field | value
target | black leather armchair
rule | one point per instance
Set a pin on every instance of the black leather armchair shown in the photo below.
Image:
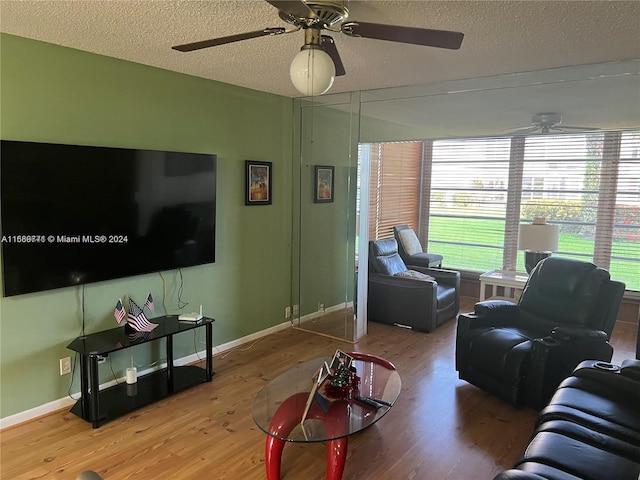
(521, 352)
(399, 296)
(411, 250)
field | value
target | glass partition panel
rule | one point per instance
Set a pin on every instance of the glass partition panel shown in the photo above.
(470, 213)
(338, 131)
(326, 219)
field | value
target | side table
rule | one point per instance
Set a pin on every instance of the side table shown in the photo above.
(97, 406)
(510, 282)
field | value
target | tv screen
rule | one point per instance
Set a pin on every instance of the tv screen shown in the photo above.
(74, 214)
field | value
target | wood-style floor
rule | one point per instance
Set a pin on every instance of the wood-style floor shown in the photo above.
(440, 427)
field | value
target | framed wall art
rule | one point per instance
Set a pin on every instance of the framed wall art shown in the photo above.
(257, 183)
(323, 184)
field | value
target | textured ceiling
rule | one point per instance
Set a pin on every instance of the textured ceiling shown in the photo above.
(503, 40)
(500, 37)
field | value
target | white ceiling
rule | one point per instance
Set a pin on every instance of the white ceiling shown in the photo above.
(501, 37)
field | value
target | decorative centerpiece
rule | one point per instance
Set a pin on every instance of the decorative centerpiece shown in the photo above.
(335, 381)
(342, 381)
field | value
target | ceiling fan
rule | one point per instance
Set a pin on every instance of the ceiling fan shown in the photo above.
(549, 122)
(315, 67)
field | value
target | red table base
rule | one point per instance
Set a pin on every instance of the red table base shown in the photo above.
(336, 423)
(287, 417)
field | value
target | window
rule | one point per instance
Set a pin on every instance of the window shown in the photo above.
(625, 247)
(469, 180)
(476, 192)
(394, 191)
(568, 196)
(531, 187)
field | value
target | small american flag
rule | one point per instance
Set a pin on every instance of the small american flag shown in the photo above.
(137, 319)
(119, 311)
(149, 303)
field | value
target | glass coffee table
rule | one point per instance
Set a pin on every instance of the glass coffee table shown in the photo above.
(280, 405)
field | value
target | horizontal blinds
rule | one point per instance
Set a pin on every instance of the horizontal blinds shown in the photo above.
(481, 189)
(468, 195)
(394, 187)
(625, 251)
(560, 182)
(588, 184)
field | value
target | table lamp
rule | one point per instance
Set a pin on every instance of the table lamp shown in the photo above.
(537, 240)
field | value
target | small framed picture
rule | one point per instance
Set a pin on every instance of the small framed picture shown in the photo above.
(258, 183)
(323, 184)
(340, 359)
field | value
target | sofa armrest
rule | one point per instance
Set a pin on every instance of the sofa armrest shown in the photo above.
(631, 368)
(496, 308)
(569, 334)
(394, 281)
(556, 356)
(514, 474)
(450, 278)
(468, 321)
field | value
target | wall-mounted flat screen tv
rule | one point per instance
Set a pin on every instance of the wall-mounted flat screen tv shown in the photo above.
(74, 214)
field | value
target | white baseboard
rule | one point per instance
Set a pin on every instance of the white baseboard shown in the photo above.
(67, 402)
(334, 308)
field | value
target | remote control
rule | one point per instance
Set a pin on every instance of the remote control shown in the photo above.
(368, 401)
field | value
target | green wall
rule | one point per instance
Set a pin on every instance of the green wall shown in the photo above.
(55, 94)
(328, 136)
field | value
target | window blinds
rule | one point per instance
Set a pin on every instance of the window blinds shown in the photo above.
(468, 200)
(477, 191)
(394, 191)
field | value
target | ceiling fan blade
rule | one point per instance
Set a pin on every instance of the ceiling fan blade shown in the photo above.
(568, 127)
(294, 8)
(523, 130)
(396, 33)
(329, 46)
(189, 47)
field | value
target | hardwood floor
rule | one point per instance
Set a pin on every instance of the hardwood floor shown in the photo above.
(440, 427)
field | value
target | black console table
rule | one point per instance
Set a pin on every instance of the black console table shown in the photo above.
(98, 406)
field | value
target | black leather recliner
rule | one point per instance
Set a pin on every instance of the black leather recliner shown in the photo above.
(521, 352)
(411, 250)
(402, 296)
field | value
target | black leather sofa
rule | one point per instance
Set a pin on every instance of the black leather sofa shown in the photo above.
(589, 430)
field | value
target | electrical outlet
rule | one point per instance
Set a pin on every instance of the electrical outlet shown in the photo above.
(65, 365)
(287, 312)
(321, 307)
(295, 310)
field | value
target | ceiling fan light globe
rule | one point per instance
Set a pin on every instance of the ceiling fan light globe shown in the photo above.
(312, 71)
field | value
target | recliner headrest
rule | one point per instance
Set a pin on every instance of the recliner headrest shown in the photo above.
(564, 276)
(384, 257)
(384, 247)
(564, 289)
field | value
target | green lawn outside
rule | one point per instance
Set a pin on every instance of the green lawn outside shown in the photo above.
(491, 234)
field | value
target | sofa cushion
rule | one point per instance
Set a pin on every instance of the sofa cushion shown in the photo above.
(410, 241)
(506, 360)
(580, 452)
(424, 259)
(607, 406)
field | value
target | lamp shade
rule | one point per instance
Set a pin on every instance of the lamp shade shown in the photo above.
(538, 237)
(312, 71)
